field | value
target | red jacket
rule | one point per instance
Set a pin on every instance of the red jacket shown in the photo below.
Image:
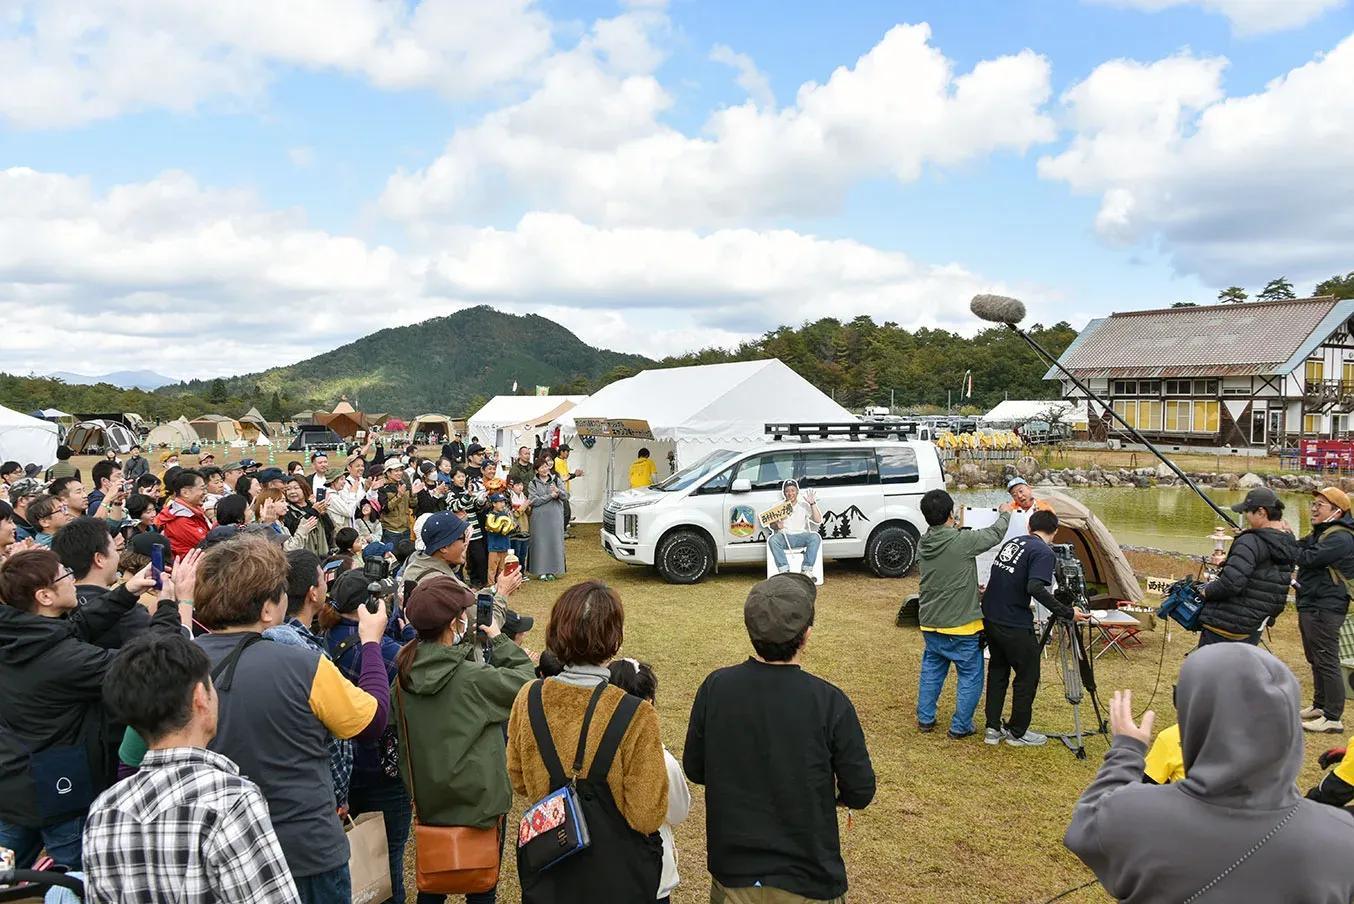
(183, 525)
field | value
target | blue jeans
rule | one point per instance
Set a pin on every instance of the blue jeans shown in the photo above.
(519, 549)
(61, 841)
(807, 540)
(967, 655)
(369, 794)
(333, 887)
(393, 536)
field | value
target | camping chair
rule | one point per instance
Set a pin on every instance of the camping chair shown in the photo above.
(794, 558)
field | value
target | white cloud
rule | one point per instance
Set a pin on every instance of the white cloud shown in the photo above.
(1236, 190)
(196, 281)
(67, 62)
(301, 157)
(1248, 17)
(591, 140)
(750, 78)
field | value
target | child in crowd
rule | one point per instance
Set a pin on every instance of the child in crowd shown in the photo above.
(498, 529)
(638, 678)
(521, 511)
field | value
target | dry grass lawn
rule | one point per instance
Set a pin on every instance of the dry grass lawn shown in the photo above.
(953, 821)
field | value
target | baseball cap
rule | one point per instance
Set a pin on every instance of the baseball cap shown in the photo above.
(377, 550)
(1334, 495)
(268, 474)
(780, 607)
(1263, 497)
(394, 464)
(206, 455)
(167, 455)
(516, 623)
(143, 543)
(1015, 482)
(248, 463)
(219, 534)
(474, 449)
(437, 602)
(232, 466)
(349, 591)
(25, 487)
(498, 497)
(442, 529)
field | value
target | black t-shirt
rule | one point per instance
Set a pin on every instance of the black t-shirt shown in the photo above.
(1006, 602)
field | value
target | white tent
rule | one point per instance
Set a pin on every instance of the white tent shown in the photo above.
(27, 440)
(55, 414)
(692, 411)
(1014, 412)
(174, 434)
(505, 422)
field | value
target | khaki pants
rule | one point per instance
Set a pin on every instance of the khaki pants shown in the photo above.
(496, 563)
(762, 895)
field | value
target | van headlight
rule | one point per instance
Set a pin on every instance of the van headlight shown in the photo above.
(630, 526)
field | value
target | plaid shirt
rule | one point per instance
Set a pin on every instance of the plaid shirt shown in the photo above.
(186, 828)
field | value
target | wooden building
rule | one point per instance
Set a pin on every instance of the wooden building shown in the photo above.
(1262, 374)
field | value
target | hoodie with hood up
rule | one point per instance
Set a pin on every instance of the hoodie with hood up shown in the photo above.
(1253, 583)
(450, 719)
(1242, 745)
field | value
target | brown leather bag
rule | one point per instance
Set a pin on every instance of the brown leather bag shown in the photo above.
(450, 860)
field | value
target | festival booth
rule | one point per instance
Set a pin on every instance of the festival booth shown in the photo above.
(436, 428)
(216, 428)
(691, 412)
(93, 437)
(27, 440)
(506, 422)
(173, 435)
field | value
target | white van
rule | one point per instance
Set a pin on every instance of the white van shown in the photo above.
(869, 493)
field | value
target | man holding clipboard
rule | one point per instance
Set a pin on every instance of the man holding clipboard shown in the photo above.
(797, 529)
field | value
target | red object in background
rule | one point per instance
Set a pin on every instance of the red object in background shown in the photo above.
(1326, 455)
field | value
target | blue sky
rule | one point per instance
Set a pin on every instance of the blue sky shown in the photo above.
(225, 191)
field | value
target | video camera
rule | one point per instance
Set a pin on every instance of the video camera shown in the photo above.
(380, 585)
(1070, 576)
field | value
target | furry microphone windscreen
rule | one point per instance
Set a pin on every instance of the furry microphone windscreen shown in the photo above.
(998, 308)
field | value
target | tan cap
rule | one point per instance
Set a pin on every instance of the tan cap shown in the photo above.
(1335, 496)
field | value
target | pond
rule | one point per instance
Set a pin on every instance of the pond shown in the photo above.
(1169, 518)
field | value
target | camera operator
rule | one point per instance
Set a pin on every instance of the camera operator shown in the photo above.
(1253, 583)
(1022, 571)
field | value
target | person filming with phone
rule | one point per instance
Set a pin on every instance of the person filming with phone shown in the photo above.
(797, 530)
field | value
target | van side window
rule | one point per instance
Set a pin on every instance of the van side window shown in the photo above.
(768, 470)
(898, 465)
(838, 468)
(716, 485)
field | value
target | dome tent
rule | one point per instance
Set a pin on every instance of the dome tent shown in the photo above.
(91, 437)
(216, 428)
(173, 435)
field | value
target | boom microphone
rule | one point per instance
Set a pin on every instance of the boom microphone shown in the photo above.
(998, 309)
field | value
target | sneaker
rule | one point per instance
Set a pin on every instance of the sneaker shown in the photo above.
(1310, 713)
(1029, 739)
(960, 735)
(1322, 725)
(994, 735)
(926, 727)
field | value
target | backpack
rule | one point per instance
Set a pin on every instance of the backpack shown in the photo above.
(619, 865)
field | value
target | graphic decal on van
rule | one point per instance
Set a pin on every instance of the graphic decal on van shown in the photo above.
(742, 522)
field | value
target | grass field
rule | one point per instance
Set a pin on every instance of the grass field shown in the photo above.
(953, 821)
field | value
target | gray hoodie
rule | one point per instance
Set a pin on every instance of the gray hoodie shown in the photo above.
(1242, 746)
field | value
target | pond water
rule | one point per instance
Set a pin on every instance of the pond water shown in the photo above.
(1170, 518)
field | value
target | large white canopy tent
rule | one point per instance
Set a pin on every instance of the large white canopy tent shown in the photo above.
(1014, 412)
(27, 440)
(506, 421)
(692, 412)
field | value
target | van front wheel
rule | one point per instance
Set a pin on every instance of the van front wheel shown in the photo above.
(891, 552)
(684, 557)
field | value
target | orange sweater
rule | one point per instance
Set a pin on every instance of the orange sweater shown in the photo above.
(639, 776)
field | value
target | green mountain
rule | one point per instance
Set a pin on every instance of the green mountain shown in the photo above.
(446, 364)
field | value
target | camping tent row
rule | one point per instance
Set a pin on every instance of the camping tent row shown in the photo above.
(692, 411)
(509, 421)
(27, 440)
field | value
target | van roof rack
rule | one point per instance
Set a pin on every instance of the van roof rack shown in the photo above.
(852, 430)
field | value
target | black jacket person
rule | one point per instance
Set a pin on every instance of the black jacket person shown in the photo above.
(1325, 560)
(1253, 583)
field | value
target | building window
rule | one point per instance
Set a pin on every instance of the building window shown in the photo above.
(1178, 387)
(1347, 378)
(1315, 371)
(1125, 387)
(1128, 411)
(1177, 416)
(1206, 417)
(1149, 415)
(1205, 387)
(1311, 423)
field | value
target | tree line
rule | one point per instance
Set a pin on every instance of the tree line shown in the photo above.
(1280, 289)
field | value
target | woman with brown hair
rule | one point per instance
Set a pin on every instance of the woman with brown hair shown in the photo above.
(450, 712)
(627, 798)
(305, 523)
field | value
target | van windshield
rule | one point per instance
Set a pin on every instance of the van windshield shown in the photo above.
(690, 475)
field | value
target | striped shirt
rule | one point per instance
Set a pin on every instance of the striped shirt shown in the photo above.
(186, 828)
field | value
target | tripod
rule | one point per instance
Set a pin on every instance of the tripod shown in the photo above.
(1078, 678)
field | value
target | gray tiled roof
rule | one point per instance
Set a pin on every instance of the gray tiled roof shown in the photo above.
(1216, 340)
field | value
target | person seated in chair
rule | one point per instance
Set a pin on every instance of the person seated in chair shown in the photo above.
(797, 530)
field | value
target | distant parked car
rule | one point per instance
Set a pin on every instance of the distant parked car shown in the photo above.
(315, 436)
